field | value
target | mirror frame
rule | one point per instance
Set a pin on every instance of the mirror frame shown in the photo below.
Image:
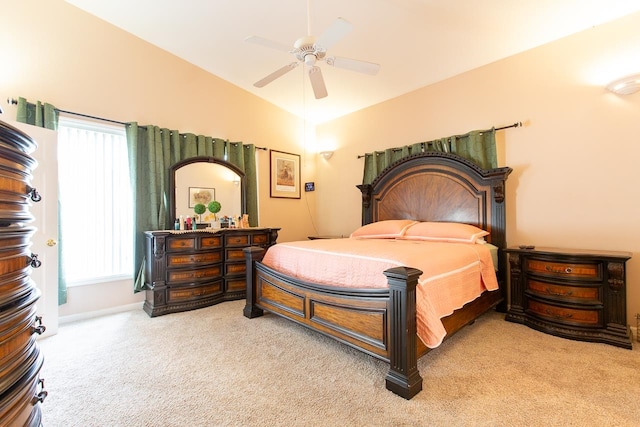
(205, 159)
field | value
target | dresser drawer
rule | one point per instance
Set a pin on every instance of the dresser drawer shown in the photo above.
(211, 242)
(177, 244)
(235, 268)
(259, 239)
(186, 270)
(564, 292)
(569, 270)
(237, 240)
(194, 275)
(236, 285)
(190, 293)
(236, 254)
(180, 260)
(564, 315)
(21, 404)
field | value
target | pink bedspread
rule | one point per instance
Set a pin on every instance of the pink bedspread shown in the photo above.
(453, 273)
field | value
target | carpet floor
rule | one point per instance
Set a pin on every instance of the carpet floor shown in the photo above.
(214, 367)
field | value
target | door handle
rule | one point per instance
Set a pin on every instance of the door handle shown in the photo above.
(51, 242)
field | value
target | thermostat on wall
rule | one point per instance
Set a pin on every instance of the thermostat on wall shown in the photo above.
(309, 186)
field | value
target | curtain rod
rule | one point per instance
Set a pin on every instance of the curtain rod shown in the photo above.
(14, 101)
(515, 125)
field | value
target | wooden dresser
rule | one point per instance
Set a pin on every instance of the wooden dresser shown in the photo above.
(21, 389)
(186, 270)
(570, 293)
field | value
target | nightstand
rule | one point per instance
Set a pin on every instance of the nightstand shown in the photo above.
(570, 293)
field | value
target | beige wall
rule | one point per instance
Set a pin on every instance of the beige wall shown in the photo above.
(576, 168)
(575, 160)
(55, 52)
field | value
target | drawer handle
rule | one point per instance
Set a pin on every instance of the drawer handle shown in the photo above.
(40, 396)
(558, 294)
(558, 316)
(33, 193)
(40, 328)
(33, 261)
(567, 270)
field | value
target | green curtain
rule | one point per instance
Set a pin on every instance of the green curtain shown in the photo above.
(46, 116)
(152, 151)
(40, 114)
(478, 146)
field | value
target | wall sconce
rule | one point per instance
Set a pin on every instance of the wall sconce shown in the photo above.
(236, 181)
(626, 85)
(326, 154)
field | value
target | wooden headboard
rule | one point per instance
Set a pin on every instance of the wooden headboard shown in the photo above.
(435, 186)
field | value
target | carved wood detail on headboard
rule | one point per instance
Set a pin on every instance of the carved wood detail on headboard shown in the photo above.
(435, 186)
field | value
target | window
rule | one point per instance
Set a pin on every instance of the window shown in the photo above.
(96, 211)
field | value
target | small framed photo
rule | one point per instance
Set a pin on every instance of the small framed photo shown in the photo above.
(285, 175)
(201, 195)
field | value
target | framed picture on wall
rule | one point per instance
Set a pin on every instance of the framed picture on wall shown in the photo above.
(201, 195)
(285, 175)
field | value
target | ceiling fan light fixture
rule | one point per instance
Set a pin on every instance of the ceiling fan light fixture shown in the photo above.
(310, 60)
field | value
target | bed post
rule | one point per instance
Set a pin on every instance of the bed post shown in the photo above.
(367, 215)
(252, 254)
(403, 377)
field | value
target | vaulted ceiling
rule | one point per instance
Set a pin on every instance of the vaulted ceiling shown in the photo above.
(416, 42)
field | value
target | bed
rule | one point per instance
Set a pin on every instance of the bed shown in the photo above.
(382, 321)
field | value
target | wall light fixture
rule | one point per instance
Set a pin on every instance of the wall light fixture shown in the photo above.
(626, 85)
(326, 154)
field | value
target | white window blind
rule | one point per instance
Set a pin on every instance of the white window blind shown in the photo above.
(96, 211)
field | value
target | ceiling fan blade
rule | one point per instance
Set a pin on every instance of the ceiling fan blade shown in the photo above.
(278, 73)
(354, 65)
(317, 82)
(333, 34)
(268, 43)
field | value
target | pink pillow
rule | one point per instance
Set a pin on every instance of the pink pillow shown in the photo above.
(388, 229)
(444, 232)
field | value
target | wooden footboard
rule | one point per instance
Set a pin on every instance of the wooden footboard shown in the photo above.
(380, 322)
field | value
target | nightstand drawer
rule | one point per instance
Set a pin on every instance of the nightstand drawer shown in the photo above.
(577, 294)
(572, 293)
(569, 270)
(565, 315)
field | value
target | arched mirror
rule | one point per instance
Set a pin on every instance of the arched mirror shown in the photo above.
(202, 180)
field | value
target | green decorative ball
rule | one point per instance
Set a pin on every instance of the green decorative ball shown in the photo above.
(200, 208)
(214, 206)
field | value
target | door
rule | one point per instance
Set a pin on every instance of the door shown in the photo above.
(44, 242)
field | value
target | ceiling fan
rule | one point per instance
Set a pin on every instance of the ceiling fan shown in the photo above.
(308, 51)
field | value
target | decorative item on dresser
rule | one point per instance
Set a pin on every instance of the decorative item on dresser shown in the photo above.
(186, 270)
(570, 293)
(21, 388)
